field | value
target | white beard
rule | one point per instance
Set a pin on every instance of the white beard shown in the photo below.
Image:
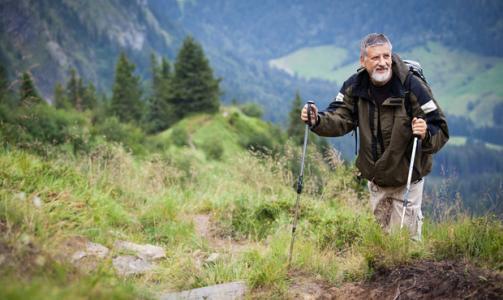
(381, 77)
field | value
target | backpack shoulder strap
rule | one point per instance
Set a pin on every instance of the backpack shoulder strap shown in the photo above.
(407, 85)
(356, 121)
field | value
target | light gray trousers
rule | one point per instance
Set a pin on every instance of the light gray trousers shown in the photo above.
(387, 205)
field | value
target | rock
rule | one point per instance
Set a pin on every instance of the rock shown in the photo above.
(90, 249)
(226, 291)
(37, 202)
(131, 265)
(147, 252)
(21, 196)
(82, 253)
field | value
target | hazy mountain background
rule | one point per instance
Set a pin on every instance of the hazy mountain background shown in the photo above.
(265, 51)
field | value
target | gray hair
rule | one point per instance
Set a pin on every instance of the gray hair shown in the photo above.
(373, 39)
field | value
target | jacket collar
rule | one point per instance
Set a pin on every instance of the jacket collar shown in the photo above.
(400, 71)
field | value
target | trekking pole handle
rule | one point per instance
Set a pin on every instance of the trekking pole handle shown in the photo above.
(309, 108)
(417, 135)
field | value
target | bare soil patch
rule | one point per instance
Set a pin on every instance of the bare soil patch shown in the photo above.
(424, 280)
(205, 229)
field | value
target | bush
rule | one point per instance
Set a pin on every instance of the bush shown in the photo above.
(180, 137)
(129, 135)
(33, 126)
(252, 110)
(259, 142)
(214, 150)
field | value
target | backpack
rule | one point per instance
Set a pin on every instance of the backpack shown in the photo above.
(416, 69)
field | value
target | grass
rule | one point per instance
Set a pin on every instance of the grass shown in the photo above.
(314, 62)
(110, 194)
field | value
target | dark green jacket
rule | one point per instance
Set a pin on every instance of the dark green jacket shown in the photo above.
(386, 131)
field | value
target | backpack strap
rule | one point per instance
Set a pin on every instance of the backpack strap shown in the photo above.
(407, 85)
(355, 123)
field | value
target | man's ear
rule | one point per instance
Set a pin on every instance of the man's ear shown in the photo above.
(361, 61)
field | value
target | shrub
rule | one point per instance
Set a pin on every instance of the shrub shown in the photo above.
(129, 135)
(252, 110)
(180, 137)
(259, 142)
(214, 150)
(32, 127)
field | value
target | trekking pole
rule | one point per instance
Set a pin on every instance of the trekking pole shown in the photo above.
(299, 181)
(409, 178)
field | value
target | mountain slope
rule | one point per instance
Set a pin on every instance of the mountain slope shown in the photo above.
(50, 37)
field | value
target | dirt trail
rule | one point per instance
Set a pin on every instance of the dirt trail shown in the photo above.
(205, 229)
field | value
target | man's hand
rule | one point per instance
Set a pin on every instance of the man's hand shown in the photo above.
(314, 114)
(419, 128)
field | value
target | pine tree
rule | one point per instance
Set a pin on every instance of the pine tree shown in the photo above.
(165, 69)
(74, 90)
(295, 126)
(126, 98)
(4, 81)
(194, 87)
(155, 71)
(28, 93)
(160, 115)
(60, 98)
(89, 97)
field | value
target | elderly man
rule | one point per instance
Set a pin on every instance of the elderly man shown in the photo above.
(390, 105)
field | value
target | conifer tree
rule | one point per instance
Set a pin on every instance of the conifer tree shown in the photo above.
(126, 98)
(194, 87)
(160, 115)
(60, 98)
(3, 84)
(295, 126)
(89, 97)
(27, 92)
(165, 69)
(155, 72)
(74, 90)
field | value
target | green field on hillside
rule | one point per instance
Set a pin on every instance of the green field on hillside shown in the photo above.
(464, 83)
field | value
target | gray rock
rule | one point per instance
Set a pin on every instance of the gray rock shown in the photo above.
(147, 252)
(90, 249)
(86, 255)
(128, 265)
(227, 291)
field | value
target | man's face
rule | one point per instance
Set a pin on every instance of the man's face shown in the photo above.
(377, 62)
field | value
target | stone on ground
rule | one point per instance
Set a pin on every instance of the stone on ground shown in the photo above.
(226, 291)
(147, 252)
(128, 265)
